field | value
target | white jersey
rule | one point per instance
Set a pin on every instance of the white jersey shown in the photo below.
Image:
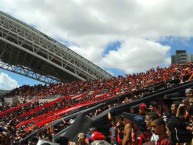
(154, 138)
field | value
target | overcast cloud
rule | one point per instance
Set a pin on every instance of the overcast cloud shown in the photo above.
(90, 25)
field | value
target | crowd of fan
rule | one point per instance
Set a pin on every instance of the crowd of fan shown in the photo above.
(161, 125)
(129, 83)
(154, 123)
(114, 87)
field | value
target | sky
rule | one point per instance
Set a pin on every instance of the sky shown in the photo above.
(120, 36)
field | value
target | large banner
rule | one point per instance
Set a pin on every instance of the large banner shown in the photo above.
(80, 124)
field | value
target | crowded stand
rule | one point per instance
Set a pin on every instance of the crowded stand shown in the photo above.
(162, 121)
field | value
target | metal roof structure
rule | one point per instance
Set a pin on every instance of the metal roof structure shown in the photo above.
(29, 52)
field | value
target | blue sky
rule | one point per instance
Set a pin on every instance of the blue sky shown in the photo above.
(22, 80)
(178, 44)
(121, 37)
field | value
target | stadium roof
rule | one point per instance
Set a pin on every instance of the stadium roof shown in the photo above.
(29, 52)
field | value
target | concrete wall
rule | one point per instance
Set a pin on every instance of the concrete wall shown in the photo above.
(17, 99)
(12, 100)
(44, 100)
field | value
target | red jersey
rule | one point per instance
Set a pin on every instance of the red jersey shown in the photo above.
(97, 136)
(163, 141)
(141, 138)
(119, 138)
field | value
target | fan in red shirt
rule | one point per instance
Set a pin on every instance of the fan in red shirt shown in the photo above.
(140, 134)
(158, 127)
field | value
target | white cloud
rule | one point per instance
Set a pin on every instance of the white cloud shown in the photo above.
(136, 55)
(7, 83)
(92, 25)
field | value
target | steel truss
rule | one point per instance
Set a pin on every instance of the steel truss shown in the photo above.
(27, 72)
(38, 56)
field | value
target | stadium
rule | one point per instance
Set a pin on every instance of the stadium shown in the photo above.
(82, 103)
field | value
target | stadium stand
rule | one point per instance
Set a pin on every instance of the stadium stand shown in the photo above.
(80, 106)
